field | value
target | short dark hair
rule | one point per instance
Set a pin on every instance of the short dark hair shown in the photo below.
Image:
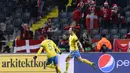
(103, 35)
(73, 29)
(45, 35)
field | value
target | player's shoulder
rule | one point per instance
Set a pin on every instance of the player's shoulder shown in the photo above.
(49, 41)
(44, 41)
(75, 35)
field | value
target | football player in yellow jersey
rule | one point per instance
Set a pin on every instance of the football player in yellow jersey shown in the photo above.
(49, 46)
(73, 43)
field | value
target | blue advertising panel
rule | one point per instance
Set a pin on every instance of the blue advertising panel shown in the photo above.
(105, 63)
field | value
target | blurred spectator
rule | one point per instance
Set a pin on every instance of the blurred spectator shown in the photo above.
(49, 26)
(2, 27)
(117, 18)
(37, 34)
(77, 15)
(17, 38)
(30, 35)
(88, 2)
(80, 4)
(40, 7)
(2, 38)
(6, 49)
(26, 33)
(86, 42)
(63, 42)
(92, 17)
(62, 5)
(105, 14)
(127, 36)
(73, 5)
(104, 45)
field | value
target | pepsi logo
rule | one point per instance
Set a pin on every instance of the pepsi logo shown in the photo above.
(106, 63)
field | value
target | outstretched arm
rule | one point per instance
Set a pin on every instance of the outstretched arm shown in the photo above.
(40, 50)
(79, 43)
(38, 53)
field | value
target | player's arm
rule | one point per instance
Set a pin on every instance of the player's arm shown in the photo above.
(40, 50)
(80, 45)
(57, 49)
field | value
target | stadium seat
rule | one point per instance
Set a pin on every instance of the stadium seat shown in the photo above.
(2, 26)
(129, 30)
(123, 31)
(3, 1)
(64, 25)
(17, 23)
(94, 31)
(63, 15)
(17, 15)
(66, 32)
(84, 31)
(5, 10)
(57, 25)
(104, 31)
(2, 5)
(19, 9)
(108, 36)
(54, 38)
(69, 20)
(113, 31)
(127, 13)
(8, 22)
(64, 21)
(10, 29)
(128, 20)
(26, 17)
(57, 33)
(70, 14)
(2, 17)
(10, 4)
(115, 36)
(55, 20)
(97, 36)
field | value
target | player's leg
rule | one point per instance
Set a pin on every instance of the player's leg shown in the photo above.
(78, 56)
(49, 63)
(67, 63)
(86, 62)
(55, 60)
(70, 56)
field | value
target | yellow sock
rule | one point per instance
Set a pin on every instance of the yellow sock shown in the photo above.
(59, 70)
(87, 61)
(67, 66)
(51, 66)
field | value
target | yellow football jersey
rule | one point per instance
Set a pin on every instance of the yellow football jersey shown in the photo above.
(73, 43)
(49, 46)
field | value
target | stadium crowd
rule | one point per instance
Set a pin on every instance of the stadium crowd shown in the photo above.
(17, 16)
(90, 21)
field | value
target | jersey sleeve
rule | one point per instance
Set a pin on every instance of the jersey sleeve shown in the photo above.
(41, 48)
